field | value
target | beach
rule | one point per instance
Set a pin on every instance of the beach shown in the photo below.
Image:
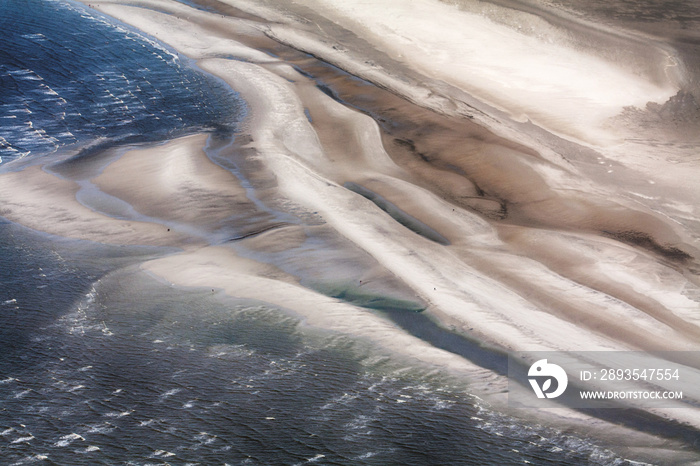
(535, 194)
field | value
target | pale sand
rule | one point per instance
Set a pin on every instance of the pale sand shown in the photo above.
(47, 203)
(177, 183)
(508, 68)
(513, 284)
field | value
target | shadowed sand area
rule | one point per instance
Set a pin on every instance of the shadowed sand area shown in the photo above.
(511, 197)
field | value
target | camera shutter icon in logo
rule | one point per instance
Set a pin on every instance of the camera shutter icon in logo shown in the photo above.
(542, 373)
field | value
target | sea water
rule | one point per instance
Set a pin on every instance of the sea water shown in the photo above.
(68, 76)
(101, 363)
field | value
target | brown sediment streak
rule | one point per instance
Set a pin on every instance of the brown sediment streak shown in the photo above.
(527, 235)
(474, 168)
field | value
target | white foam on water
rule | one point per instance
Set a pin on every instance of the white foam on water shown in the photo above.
(539, 437)
(37, 36)
(231, 351)
(358, 427)
(26, 439)
(29, 75)
(80, 321)
(31, 459)
(138, 36)
(205, 438)
(169, 393)
(22, 394)
(102, 428)
(66, 440)
(344, 399)
(118, 414)
(47, 90)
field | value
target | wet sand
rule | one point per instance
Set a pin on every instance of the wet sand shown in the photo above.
(547, 232)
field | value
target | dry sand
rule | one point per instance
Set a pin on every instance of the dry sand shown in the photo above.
(546, 247)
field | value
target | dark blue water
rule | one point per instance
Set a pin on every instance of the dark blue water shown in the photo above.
(68, 76)
(102, 364)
